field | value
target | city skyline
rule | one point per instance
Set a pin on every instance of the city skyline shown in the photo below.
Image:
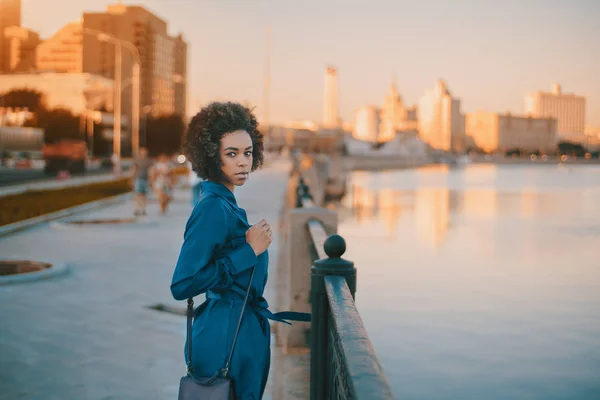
(491, 55)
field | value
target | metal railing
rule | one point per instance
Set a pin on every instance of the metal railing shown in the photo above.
(343, 362)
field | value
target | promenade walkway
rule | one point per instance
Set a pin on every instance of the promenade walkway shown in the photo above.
(91, 334)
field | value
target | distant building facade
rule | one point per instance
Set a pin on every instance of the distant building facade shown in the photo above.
(10, 16)
(396, 117)
(499, 133)
(440, 121)
(163, 72)
(567, 108)
(367, 123)
(63, 51)
(20, 49)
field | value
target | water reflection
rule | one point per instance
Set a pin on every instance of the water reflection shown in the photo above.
(368, 204)
(442, 198)
(484, 280)
(390, 210)
(432, 214)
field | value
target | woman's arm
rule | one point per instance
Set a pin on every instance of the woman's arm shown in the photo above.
(197, 271)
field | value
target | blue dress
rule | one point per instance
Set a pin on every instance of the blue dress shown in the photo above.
(216, 259)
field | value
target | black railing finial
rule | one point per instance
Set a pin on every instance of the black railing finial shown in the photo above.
(335, 246)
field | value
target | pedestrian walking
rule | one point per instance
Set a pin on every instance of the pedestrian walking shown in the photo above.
(140, 175)
(163, 182)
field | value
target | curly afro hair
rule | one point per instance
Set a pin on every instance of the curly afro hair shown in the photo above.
(207, 128)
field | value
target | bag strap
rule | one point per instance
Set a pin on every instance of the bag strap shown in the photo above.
(190, 312)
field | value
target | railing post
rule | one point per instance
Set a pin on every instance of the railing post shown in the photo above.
(302, 192)
(294, 272)
(335, 246)
(299, 193)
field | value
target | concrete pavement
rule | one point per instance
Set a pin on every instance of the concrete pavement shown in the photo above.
(91, 334)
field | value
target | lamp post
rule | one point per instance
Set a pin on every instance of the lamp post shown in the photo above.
(265, 122)
(145, 111)
(135, 96)
(92, 117)
(117, 111)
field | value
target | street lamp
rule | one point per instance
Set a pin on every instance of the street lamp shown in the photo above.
(91, 117)
(135, 97)
(145, 110)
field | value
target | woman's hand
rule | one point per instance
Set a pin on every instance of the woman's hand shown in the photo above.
(259, 237)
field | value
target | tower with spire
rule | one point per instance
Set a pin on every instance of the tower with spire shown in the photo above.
(393, 114)
(331, 117)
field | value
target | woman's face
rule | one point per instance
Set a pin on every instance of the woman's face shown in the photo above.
(236, 158)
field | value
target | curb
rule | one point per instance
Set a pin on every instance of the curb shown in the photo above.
(67, 225)
(28, 223)
(57, 269)
(44, 185)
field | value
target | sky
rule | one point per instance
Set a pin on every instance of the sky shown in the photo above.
(490, 53)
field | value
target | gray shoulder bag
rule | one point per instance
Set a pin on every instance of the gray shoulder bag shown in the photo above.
(220, 386)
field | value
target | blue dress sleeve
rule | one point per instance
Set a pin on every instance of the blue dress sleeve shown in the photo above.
(197, 271)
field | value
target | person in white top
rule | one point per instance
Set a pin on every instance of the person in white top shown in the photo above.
(163, 181)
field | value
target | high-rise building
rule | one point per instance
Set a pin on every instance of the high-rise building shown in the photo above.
(494, 132)
(75, 48)
(396, 117)
(63, 52)
(330, 102)
(180, 74)
(10, 15)
(393, 115)
(567, 108)
(440, 122)
(163, 57)
(20, 49)
(366, 126)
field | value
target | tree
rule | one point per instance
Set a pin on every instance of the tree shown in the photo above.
(571, 149)
(475, 150)
(513, 152)
(58, 124)
(23, 98)
(102, 147)
(164, 134)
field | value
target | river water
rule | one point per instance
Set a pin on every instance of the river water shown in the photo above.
(480, 282)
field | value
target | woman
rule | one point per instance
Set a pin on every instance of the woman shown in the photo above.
(220, 248)
(163, 182)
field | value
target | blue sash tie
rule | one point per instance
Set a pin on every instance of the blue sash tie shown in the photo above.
(261, 307)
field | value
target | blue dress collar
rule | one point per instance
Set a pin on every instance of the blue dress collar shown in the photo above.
(220, 190)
